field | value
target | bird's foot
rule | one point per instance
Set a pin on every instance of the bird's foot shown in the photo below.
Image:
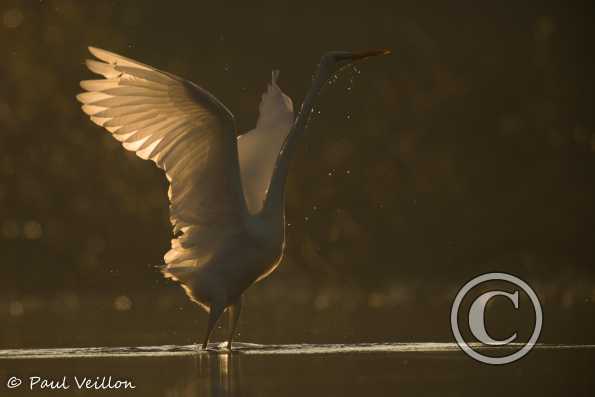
(216, 347)
(209, 348)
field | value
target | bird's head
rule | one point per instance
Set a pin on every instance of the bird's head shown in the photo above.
(340, 58)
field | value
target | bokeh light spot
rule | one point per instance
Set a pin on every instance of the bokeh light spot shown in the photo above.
(32, 230)
(10, 229)
(122, 303)
(12, 18)
(16, 309)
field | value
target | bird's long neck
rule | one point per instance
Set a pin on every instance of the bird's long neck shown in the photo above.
(274, 204)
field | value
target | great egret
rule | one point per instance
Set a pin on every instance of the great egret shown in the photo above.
(226, 194)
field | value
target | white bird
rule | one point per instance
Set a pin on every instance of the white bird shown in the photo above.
(226, 194)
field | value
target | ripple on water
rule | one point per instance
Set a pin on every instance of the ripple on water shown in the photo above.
(257, 349)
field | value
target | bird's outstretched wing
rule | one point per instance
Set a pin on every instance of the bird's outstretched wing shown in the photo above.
(188, 133)
(258, 148)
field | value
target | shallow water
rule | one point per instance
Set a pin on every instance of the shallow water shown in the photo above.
(298, 369)
(240, 348)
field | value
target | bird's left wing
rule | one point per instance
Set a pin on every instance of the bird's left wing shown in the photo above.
(188, 133)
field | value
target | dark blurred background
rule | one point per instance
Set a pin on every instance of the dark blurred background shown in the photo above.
(470, 149)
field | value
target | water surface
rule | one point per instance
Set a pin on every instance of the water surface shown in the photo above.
(305, 369)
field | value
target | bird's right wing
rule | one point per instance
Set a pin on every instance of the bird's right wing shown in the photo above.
(188, 133)
(258, 149)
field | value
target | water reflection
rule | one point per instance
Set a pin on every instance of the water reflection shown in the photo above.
(298, 369)
(215, 375)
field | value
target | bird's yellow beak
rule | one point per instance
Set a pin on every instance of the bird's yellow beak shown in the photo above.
(370, 53)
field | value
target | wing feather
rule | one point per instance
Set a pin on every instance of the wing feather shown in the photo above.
(259, 148)
(116, 102)
(97, 86)
(188, 133)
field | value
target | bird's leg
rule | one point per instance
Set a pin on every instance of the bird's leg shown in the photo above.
(234, 315)
(214, 314)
